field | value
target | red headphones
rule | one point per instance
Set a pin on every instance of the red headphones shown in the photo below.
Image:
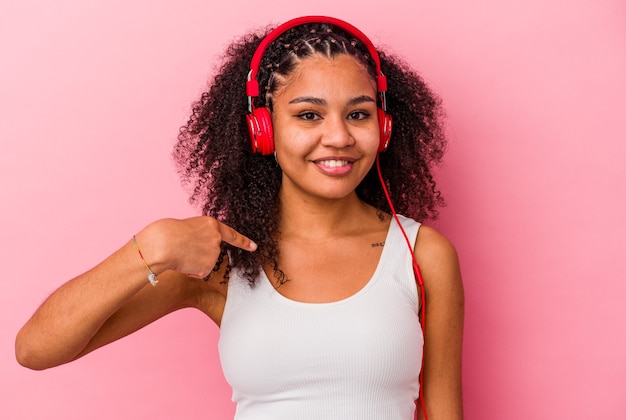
(259, 120)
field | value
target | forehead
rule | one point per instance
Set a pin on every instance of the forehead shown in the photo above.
(341, 74)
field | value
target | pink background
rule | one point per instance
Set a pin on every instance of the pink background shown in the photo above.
(91, 98)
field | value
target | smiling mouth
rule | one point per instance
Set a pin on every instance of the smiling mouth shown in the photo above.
(333, 163)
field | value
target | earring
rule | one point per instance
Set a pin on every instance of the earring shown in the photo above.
(276, 159)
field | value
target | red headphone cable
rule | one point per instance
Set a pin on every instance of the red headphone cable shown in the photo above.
(419, 280)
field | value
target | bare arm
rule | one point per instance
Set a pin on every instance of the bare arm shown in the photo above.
(114, 298)
(444, 325)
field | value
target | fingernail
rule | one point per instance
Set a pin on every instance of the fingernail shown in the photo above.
(253, 246)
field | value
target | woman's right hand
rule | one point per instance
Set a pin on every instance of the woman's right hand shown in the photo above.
(189, 246)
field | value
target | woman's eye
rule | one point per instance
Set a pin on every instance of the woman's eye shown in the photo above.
(358, 115)
(309, 116)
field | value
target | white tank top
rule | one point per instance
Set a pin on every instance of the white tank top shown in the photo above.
(357, 358)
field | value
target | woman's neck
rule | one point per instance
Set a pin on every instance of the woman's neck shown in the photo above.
(324, 219)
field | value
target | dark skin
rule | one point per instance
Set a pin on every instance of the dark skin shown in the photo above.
(329, 243)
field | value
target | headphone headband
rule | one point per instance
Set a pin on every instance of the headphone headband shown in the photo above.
(252, 85)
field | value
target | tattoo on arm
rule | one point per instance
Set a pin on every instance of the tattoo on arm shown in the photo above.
(375, 244)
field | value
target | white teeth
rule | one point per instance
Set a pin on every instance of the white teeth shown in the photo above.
(333, 163)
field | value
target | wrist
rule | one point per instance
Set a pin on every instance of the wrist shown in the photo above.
(151, 274)
(150, 249)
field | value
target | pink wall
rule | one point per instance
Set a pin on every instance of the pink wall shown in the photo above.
(91, 97)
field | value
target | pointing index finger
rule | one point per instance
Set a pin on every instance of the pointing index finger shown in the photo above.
(235, 238)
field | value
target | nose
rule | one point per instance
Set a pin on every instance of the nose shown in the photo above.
(336, 133)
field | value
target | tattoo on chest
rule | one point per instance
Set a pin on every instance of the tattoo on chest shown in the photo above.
(377, 244)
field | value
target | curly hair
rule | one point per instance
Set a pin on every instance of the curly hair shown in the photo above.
(241, 188)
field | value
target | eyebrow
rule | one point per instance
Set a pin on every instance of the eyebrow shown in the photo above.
(319, 101)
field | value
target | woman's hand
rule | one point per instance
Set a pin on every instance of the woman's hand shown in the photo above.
(190, 246)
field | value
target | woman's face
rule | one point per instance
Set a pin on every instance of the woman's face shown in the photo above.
(325, 127)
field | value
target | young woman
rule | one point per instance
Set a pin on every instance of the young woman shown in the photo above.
(299, 257)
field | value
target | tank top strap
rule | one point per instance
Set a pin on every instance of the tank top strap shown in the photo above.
(399, 262)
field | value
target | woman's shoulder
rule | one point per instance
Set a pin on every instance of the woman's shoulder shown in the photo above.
(433, 243)
(437, 258)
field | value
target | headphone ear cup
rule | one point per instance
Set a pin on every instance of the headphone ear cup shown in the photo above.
(260, 131)
(384, 123)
